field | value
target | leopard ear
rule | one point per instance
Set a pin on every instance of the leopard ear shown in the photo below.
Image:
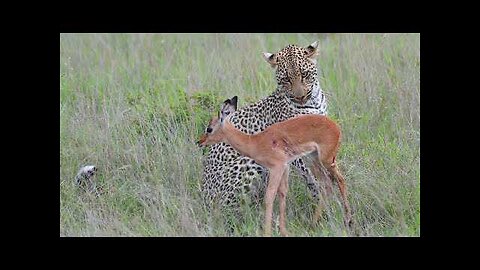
(270, 58)
(311, 50)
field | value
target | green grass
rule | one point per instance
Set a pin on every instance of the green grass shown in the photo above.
(134, 105)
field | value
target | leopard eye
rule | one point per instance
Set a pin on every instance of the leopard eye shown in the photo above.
(227, 113)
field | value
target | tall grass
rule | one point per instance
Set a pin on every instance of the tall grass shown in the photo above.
(134, 105)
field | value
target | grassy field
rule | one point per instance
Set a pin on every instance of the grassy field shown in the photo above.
(134, 105)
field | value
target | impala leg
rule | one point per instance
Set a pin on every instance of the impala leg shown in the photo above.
(343, 191)
(282, 192)
(321, 173)
(273, 185)
(321, 202)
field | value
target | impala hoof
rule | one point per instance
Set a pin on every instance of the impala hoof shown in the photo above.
(349, 223)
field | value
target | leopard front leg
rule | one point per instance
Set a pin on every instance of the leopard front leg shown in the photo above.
(313, 184)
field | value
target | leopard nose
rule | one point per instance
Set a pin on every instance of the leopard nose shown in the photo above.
(299, 99)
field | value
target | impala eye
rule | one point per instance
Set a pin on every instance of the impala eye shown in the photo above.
(209, 129)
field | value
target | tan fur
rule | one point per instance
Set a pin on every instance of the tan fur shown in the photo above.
(280, 144)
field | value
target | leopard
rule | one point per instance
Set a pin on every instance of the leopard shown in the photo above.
(227, 175)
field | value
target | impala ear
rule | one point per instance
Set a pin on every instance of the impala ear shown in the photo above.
(270, 58)
(226, 102)
(311, 50)
(233, 101)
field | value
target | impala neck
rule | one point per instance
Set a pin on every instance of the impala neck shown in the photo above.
(242, 142)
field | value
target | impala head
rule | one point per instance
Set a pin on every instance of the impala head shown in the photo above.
(296, 70)
(213, 133)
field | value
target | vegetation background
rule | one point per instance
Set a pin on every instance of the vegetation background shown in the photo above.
(134, 105)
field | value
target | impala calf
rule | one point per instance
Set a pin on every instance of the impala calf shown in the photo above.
(278, 145)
